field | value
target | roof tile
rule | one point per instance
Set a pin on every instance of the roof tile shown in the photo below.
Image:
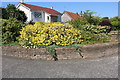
(48, 10)
(73, 15)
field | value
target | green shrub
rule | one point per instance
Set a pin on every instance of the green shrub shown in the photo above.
(115, 25)
(94, 28)
(12, 12)
(93, 34)
(52, 51)
(10, 30)
(78, 22)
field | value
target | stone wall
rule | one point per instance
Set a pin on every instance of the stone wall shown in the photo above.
(100, 50)
(87, 51)
(115, 34)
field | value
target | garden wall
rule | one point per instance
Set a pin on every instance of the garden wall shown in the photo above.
(100, 50)
(115, 34)
(87, 51)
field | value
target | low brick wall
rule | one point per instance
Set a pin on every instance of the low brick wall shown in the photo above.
(100, 50)
(87, 51)
(115, 34)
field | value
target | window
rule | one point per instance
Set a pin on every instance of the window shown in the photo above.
(37, 14)
(48, 17)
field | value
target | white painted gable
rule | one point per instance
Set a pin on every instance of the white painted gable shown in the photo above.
(45, 17)
(26, 10)
(65, 17)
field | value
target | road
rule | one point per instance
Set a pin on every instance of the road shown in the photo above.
(106, 67)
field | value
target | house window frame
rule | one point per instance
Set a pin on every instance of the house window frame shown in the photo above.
(37, 14)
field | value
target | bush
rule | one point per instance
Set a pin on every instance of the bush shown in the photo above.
(78, 22)
(115, 25)
(106, 23)
(12, 12)
(49, 33)
(52, 51)
(10, 30)
(96, 29)
(94, 33)
(31, 22)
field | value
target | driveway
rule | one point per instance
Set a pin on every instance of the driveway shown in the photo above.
(106, 67)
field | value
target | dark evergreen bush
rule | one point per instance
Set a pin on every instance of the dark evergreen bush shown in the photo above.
(10, 30)
(106, 23)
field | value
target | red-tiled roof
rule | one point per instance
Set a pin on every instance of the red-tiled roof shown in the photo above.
(48, 10)
(73, 15)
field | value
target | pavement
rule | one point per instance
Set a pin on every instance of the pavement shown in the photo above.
(106, 67)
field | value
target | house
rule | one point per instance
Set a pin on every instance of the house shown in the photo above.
(39, 14)
(67, 16)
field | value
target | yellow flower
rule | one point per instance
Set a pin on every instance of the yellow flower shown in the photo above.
(57, 33)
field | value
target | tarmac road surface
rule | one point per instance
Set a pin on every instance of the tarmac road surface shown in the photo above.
(106, 67)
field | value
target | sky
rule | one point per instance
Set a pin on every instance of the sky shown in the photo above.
(102, 9)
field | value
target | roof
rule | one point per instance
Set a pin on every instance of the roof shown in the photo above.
(73, 15)
(48, 10)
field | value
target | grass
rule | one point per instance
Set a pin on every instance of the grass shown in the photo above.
(10, 44)
(57, 46)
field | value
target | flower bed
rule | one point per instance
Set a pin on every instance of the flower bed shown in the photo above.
(49, 41)
(45, 34)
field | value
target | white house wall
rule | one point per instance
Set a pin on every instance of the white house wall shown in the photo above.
(46, 19)
(26, 11)
(30, 14)
(42, 19)
(65, 17)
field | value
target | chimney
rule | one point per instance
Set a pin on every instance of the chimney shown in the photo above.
(51, 7)
(22, 1)
(76, 12)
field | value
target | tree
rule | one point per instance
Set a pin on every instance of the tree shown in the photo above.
(88, 16)
(21, 16)
(96, 20)
(4, 13)
(81, 13)
(115, 21)
(12, 12)
(116, 18)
